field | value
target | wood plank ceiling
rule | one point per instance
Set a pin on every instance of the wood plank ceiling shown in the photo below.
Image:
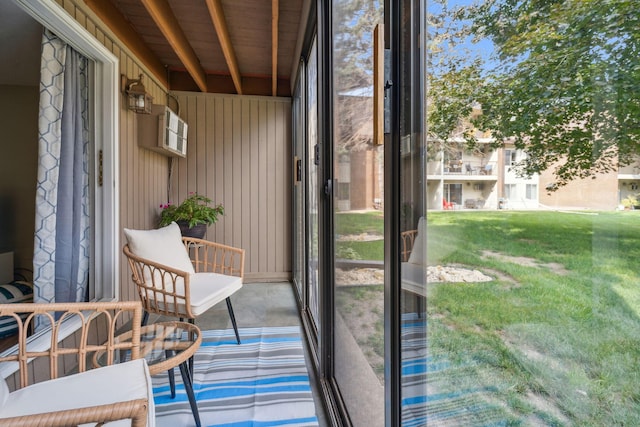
(221, 46)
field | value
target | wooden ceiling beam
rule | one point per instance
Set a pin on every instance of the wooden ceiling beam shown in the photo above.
(275, 16)
(220, 24)
(114, 19)
(166, 21)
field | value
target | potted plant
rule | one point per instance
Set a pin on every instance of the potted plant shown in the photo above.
(193, 215)
(630, 202)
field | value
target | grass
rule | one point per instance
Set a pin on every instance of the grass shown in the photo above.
(373, 250)
(571, 338)
(560, 347)
(360, 223)
(357, 223)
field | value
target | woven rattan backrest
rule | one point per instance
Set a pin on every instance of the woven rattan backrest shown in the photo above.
(162, 290)
(408, 238)
(213, 257)
(97, 321)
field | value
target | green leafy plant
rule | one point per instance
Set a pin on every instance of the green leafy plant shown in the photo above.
(194, 210)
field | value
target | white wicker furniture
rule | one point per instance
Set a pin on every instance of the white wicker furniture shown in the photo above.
(118, 394)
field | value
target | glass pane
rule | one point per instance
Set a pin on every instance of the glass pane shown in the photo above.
(312, 183)
(413, 237)
(533, 298)
(299, 182)
(358, 216)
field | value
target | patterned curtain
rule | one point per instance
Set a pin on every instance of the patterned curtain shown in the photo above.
(62, 231)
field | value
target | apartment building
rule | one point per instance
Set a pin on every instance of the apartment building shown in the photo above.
(486, 179)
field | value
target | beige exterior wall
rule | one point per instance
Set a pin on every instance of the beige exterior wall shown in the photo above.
(599, 193)
(238, 153)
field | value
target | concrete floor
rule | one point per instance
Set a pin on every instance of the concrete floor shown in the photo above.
(263, 304)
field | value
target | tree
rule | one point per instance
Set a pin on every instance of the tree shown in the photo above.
(566, 84)
(353, 24)
(455, 81)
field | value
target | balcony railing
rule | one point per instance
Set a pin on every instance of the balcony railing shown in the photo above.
(464, 168)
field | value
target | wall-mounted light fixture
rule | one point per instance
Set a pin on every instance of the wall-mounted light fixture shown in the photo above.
(138, 99)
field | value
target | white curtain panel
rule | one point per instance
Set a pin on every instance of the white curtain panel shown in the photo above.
(62, 229)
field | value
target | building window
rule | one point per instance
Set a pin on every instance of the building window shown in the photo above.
(532, 191)
(453, 193)
(510, 191)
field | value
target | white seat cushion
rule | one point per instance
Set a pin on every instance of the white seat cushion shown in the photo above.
(102, 386)
(162, 246)
(418, 253)
(208, 289)
(414, 278)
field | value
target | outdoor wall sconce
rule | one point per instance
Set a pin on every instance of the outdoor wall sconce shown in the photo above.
(138, 100)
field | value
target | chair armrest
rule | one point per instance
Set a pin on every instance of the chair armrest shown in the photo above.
(211, 257)
(135, 410)
(162, 289)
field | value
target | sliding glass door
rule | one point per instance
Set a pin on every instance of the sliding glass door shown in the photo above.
(313, 180)
(358, 215)
(407, 307)
(299, 131)
(359, 196)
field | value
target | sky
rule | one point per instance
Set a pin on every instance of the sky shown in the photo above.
(484, 48)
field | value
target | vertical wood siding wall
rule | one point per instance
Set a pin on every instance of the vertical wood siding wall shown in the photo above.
(238, 153)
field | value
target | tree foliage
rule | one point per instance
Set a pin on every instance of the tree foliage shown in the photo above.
(564, 85)
(353, 25)
(454, 81)
(353, 22)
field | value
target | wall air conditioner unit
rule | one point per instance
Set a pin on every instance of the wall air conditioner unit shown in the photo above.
(478, 187)
(163, 131)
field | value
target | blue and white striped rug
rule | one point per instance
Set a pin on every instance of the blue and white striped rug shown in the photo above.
(445, 390)
(261, 382)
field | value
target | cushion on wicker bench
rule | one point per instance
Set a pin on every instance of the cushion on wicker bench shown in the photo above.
(12, 293)
(102, 386)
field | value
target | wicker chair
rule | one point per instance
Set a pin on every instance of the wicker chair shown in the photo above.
(183, 277)
(117, 392)
(408, 237)
(414, 260)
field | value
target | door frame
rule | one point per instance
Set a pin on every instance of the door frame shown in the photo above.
(106, 209)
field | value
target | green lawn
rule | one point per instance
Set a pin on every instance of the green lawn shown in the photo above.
(557, 334)
(356, 223)
(360, 223)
